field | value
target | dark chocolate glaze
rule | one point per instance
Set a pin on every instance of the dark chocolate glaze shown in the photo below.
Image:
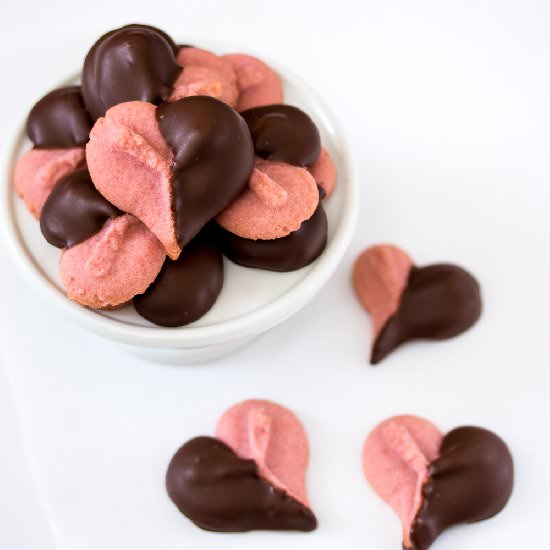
(288, 253)
(175, 47)
(59, 119)
(74, 211)
(472, 480)
(219, 491)
(213, 159)
(440, 301)
(283, 133)
(186, 288)
(135, 62)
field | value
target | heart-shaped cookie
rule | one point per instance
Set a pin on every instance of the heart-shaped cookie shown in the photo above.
(250, 476)
(174, 167)
(433, 481)
(407, 302)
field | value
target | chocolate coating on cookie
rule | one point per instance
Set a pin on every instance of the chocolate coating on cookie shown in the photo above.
(59, 119)
(74, 211)
(175, 47)
(295, 251)
(440, 301)
(186, 288)
(213, 159)
(471, 480)
(135, 62)
(283, 133)
(219, 491)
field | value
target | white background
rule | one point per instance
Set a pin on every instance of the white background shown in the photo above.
(446, 105)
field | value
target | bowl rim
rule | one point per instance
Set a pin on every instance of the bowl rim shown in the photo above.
(246, 325)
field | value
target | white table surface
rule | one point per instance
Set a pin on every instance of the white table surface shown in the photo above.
(447, 107)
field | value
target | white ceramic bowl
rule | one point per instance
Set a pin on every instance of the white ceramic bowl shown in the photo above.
(251, 302)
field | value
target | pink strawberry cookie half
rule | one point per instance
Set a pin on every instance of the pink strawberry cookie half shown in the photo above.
(257, 82)
(380, 276)
(131, 166)
(279, 197)
(396, 459)
(205, 73)
(274, 438)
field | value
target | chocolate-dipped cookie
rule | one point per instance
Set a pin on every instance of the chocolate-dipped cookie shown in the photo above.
(433, 481)
(174, 167)
(407, 302)
(250, 476)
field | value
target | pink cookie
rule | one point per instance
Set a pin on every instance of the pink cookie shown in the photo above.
(203, 58)
(274, 438)
(131, 166)
(38, 170)
(396, 459)
(114, 265)
(205, 73)
(258, 83)
(324, 172)
(196, 80)
(380, 275)
(278, 199)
